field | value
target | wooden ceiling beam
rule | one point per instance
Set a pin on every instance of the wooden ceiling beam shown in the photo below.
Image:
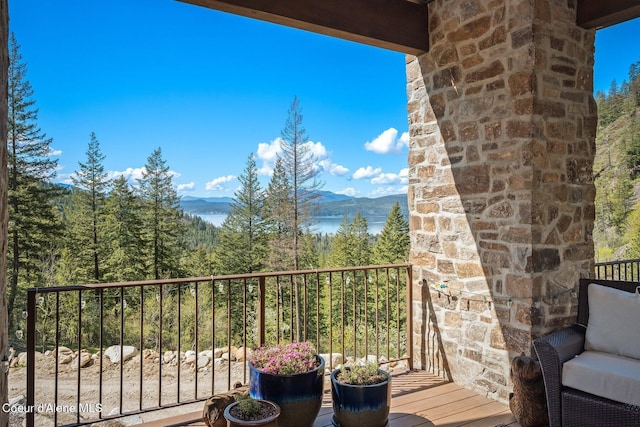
(398, 25)
(604, 13)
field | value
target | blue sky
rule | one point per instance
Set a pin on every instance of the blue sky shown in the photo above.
(210, 88)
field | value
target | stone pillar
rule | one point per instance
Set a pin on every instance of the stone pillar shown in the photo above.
(502, 128)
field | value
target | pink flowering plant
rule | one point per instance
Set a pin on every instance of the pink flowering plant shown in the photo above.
(288, 359)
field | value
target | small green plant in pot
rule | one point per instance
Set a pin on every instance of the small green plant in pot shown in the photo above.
(361, 396)
(247, 411)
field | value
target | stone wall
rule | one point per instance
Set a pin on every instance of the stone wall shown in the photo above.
(502, 138)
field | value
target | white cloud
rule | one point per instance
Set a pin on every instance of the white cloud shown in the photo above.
(392, 178)
(187, 187)
(54, 153)
(130, 174)
(331, 168)
(338, 170)
(318, 150)
(349, 191)
(388, 142)
(404, 139)
(385, 191)
(367, 172)
(386, 178)
(268, 153)
(217, 183)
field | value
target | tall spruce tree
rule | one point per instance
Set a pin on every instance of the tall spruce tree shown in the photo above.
(242, 240)
(393, 242)
(161, 218)
(33, 221)
(351, 245)
(299, 165)
(86, 213)
(280, 220)
(125, 260)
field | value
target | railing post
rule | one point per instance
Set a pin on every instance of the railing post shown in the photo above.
(261, 308)
(31, 355)
(410, 315)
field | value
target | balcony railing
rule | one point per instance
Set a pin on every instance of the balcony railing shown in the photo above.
(628, 270)
(178, 324)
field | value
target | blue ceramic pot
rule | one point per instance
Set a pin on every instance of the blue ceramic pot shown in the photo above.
(360, 405)
(299, 396)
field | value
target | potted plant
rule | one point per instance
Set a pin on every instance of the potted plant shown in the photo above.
(292, 376)
(247, 411)
(361, 396)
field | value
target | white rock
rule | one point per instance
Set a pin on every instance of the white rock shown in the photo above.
(64, 350)
(66, 358)
(206, 353)
(217, 353)
(131, 420)
(332, 360)
(239, 354)
(190, 357)
(17, 401)
(168, 356)
(113, 353)
(203, 361)
(228, 356)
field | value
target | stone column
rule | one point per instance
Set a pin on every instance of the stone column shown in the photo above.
(502, 128)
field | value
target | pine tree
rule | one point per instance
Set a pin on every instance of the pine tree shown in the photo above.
(86, 214)
(300, 167)
(299, 164)
(125, 261)
(393, 242)
(242, 240)
(280, 220)
(161, 217)
(33, 222)
(351, 245)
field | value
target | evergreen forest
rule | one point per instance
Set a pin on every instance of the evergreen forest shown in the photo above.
(616, 170)
(108, 230)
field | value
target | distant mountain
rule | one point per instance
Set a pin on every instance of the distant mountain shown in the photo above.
(380, 206)
(330, 205)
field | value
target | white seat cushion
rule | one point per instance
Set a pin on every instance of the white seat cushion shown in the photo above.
(606, 375)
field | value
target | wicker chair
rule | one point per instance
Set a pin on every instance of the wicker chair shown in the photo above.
(567, 406)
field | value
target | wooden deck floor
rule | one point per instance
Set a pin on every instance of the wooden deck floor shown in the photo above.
(418, 400)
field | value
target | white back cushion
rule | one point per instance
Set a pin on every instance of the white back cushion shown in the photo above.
(614, 321)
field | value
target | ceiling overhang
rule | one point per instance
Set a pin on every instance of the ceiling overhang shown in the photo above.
(398, 25)
(604, 13)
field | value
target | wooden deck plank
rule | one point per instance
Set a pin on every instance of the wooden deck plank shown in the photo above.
(418, 400)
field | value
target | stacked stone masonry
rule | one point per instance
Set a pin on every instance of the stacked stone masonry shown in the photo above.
(502, 139)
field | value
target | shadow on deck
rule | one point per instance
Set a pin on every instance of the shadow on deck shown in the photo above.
(419, 399)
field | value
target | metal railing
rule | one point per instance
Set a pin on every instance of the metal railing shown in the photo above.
(179, 327)
(628, 270)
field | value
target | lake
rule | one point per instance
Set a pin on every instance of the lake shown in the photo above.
(324, 225)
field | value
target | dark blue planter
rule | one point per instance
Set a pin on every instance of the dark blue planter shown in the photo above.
(299, 396)
(360, 405)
